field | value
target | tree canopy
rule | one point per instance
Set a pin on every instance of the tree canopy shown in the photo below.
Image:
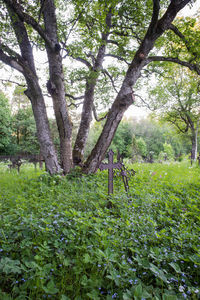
(134, 34)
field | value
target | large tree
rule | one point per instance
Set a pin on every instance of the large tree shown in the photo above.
(40, 23)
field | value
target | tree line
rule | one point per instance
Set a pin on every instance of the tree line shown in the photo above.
(136, 140)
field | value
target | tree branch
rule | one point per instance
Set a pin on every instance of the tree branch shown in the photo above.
(145, 103)
(95, 115)
(154, 18)
(80, 59)
(192, 67)
(182, 37)
(105, 72)
(74, 98)
(117, 57)
(14, 60)
(29, 20)
(11, 81)
(75, 104)
(174, 7)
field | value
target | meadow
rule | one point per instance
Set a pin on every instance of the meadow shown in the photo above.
(59, 239)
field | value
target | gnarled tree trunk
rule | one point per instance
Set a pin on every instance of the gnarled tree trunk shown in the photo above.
(56, 86)
(125, 96)
(25, 64)
(86, 116)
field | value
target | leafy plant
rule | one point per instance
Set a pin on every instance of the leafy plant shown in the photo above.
(58, 239)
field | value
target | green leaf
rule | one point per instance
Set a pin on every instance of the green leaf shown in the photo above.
(169, 297)
(63, 297)
(84, 280)
(66, 262)
(138, 291)
(87, 258)
(175, 267)
(159, 273)
(127, 295)
(10, 266)
(50, 288)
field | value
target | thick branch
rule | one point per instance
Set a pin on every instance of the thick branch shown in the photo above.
(192, 67)
(154, 19)
(29, 20)
(171, 12)
(11, 61)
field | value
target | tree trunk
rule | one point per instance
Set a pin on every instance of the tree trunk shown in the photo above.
(194, 140)
(43, 132)
(86, 116)
(56, 87)
(125, 96)
(113, 119)
(34, 93)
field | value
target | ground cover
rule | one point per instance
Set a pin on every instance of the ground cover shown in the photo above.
(59, 240)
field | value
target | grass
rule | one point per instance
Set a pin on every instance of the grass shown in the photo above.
(59, 239)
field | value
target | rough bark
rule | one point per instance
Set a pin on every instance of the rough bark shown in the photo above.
(86, 115)
(47, 149)
(125, 96)
(56, 86)
(25, 64)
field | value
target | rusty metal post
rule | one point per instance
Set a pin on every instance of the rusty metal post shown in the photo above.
(110, 166)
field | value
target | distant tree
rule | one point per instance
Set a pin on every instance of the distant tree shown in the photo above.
(178, 101)
(168, 150)
(5, 124)
(19, 99)
(155, 134)
(24, 131)
(122, 140)
(142, 147)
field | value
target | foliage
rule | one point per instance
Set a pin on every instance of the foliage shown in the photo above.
(139, 148)
(169, 151)
(58, 239)
(140, 137)
(122, 140)
(24, 131)
(5, 124)
(177, 102)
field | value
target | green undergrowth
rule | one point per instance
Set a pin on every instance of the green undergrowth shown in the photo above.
(64, 238)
